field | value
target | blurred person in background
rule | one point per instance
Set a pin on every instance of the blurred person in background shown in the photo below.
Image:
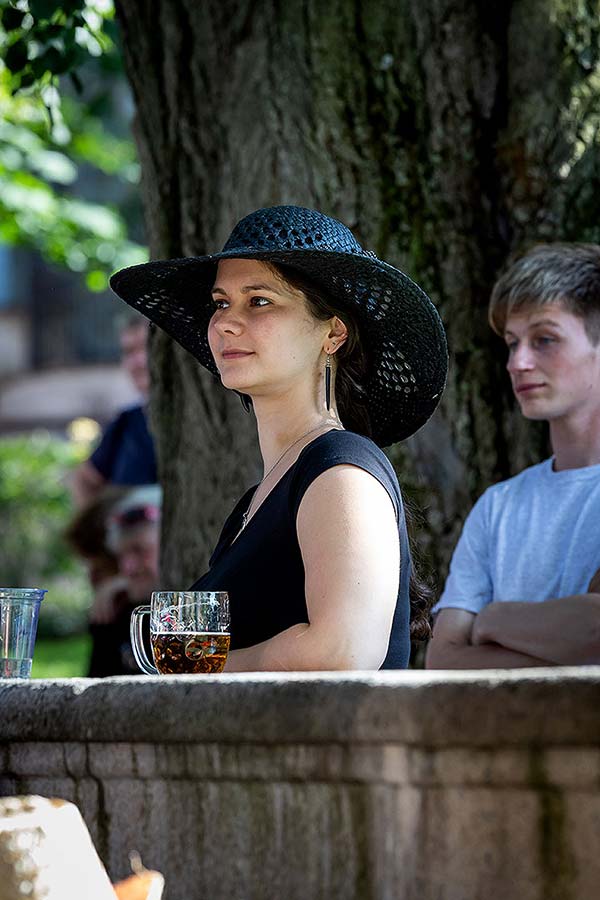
(125, 454)
(134, 538)
(117, 535)
(87, 537)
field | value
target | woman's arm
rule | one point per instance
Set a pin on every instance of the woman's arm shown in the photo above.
(348, 537)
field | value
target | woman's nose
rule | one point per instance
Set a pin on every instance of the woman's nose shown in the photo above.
(228, 322)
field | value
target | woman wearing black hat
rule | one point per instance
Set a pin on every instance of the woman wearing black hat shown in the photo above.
(339, 354)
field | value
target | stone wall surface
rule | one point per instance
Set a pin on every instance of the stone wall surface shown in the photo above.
(366, 786)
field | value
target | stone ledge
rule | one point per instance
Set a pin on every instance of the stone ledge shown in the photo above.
(428, 709)
(575, 768)
(420, 785)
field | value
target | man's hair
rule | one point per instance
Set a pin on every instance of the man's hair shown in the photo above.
(127, 319)
(551, 273)
(87, 532)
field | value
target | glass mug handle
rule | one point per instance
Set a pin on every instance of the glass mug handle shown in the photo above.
(137, 641)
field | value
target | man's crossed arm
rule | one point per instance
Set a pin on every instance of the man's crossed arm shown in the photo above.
(511, 635)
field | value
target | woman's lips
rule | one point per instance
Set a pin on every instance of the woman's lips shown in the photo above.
(235, 354)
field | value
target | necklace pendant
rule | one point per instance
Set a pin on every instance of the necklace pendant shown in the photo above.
(246, 515)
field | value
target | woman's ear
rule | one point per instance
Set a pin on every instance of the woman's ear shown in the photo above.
(338, 333)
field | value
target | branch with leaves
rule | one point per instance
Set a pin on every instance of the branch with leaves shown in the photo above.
(46, 39)
(49, 134)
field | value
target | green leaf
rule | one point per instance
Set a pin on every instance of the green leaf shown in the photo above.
(72, 7)
(43, 9)
(50, 32)
(35, 211)
(12, 19)
(38, 68)
(54, 166)
(111, 29)
(74, 56)
(27, 79)
(52, 60)
(15, 57)
(99, 219)
(96, 281)
(26, 201)
(69, 39)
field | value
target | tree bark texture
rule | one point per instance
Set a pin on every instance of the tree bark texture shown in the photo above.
(449, 134)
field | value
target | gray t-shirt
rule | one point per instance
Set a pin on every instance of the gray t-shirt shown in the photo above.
(532, 538)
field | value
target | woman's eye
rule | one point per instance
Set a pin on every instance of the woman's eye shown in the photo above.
(543, 340)
(254, 301)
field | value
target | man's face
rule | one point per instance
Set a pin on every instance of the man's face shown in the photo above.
(553, 366)
(100, 568)
(134, 356)
(138, 556)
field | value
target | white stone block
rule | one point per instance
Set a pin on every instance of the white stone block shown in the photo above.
(46, 853)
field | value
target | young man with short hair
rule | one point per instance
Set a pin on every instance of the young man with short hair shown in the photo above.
(524, 583)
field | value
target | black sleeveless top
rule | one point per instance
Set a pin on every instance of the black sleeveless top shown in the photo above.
(263, 570)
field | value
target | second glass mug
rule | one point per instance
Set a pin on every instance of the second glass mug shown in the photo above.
(189, 632)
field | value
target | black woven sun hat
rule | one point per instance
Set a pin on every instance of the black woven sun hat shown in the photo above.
(400, 329)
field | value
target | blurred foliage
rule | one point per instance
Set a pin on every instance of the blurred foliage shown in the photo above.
(36, 508)
(62, 657)
(51, 135)
(46, 39)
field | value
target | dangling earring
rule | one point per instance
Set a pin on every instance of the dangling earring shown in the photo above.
(246, 402)
(328, 382)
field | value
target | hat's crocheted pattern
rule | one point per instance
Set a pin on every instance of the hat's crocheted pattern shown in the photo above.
(400, 328)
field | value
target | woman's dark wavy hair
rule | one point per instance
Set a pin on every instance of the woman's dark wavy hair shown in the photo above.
(350, 395)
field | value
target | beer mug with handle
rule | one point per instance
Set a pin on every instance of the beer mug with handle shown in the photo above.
(189, 632)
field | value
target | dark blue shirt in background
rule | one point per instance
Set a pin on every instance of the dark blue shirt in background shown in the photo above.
(125, 454)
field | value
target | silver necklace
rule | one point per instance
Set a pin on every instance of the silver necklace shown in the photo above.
(246, 515)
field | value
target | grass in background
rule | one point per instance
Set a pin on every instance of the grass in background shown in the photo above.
(66, 657)
(36, 508)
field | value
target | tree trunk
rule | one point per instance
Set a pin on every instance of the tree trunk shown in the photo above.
(449, 134)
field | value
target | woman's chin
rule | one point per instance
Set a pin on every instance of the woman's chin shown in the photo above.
(235, 384)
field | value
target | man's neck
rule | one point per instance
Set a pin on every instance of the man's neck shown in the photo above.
(575, 442)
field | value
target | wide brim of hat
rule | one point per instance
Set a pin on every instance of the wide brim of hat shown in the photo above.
(400, 328)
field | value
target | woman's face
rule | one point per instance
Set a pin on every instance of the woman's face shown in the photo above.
(261, 335)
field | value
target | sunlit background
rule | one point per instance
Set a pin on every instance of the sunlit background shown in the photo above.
(70, 215)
